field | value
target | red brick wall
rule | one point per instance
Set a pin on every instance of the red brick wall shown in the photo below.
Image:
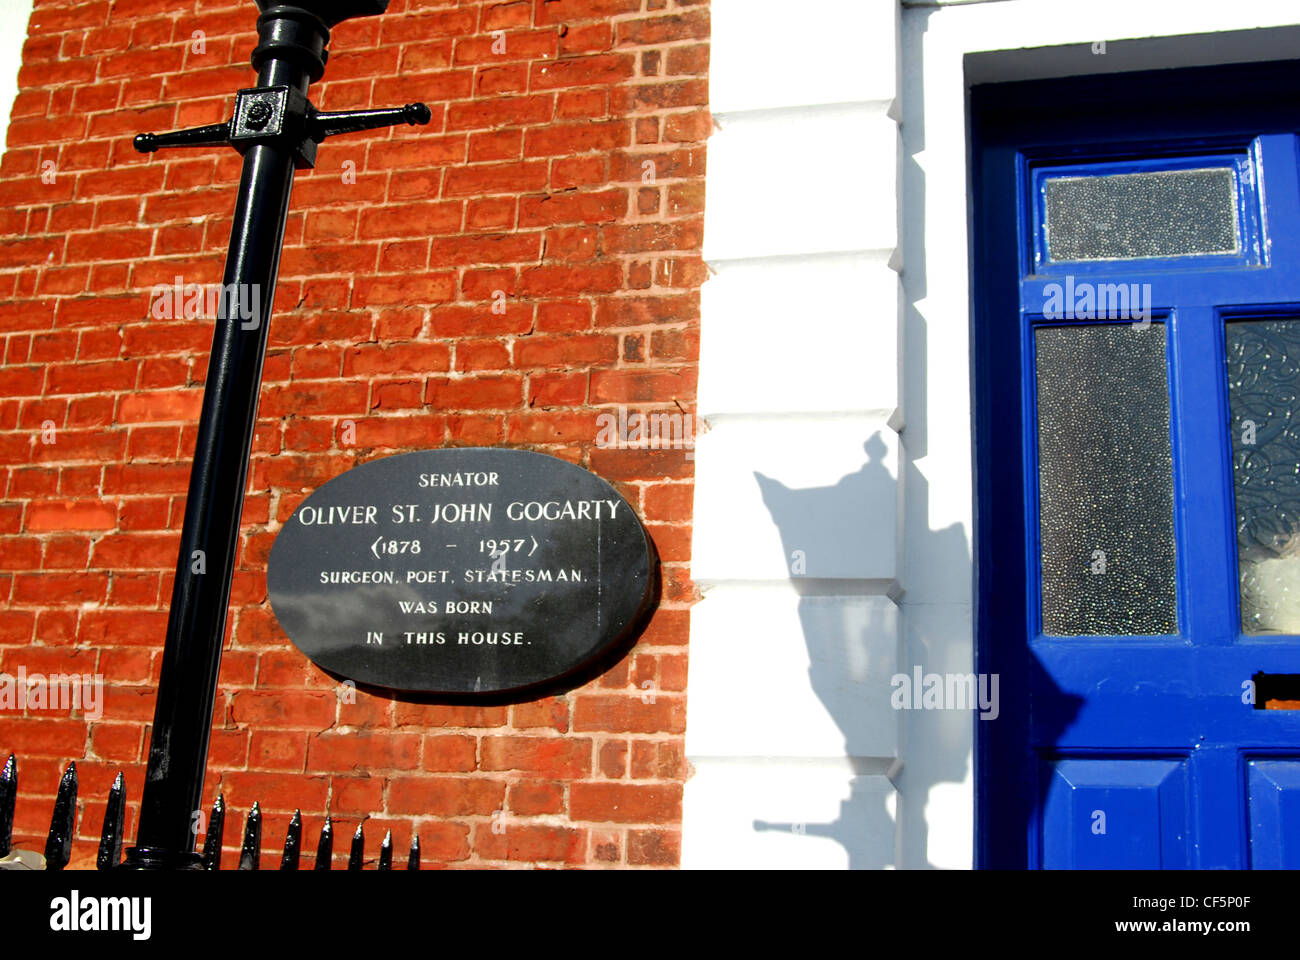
(532, 179)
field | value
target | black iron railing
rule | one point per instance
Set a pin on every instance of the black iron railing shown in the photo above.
(58, 843)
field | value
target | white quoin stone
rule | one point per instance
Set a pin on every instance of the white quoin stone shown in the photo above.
(829, 325)
(765, 488)
(802, 181)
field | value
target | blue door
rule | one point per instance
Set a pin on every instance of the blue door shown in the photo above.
(1137, 398)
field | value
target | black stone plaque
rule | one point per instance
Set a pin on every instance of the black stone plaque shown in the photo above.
(476, 571)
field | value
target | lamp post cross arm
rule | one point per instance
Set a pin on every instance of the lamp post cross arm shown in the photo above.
(270, 114)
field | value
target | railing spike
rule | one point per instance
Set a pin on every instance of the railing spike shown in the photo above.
(110, 838)
(386, 852)
(215, 834)
(358, 853)
(292, 843)
(58, 845)
(8, 794)
(251, 855)
(325, 846)
(413, 859)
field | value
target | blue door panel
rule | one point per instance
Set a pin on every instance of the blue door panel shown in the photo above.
(1118, 814)
(1273, 794)
(1160, 735)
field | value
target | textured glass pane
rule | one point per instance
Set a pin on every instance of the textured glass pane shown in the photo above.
(1167, 213)
(1105, 476)
(1263, 383)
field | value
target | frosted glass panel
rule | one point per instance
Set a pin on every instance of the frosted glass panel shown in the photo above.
(1166, 213)
(1263, 383)
(1105, 474)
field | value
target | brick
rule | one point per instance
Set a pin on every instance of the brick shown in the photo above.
(642, 311)
(636, 386)
(398, 395)
(517, 44)
(339, 398)
(567, 280)
(618, 713)
(356, 795)
(658, 761)
(449, 753)
(426, 56)
(585, 171)
(530, 798)
(532, 843)
(274, 791)
(693, 59)
(71, 515)
(588, 102)
(471, 250)
(498, 112)
(562, 316)
(431, 715)
(490, 213)
(613, 759)
(474, 393)
(671, 502)
(626, 802)
(560, 757)
(495, 145)
(551, 712)
(398, 358)
(587, 38)
(658, 848)
(160, 407)
(303, 709)
(446, 796)
(557, 390)
(596, 70)
(277, 750)
(563, 11)
(559, 352)
(495, 178)
(499, 16)
(478, 431)
(693, 25)
(482, 355)
(401, 432)
(509, 78)
(687, 128)
(363, 751)
(415, 26)
(570, 138)
(601, 207)
(410, 220)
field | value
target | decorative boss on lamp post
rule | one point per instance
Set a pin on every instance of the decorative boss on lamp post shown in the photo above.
(276, 130)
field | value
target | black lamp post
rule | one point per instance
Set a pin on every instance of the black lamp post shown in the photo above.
(276, 130)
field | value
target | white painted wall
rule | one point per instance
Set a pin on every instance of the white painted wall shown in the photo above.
(14, 15)
(13, 33)
(797, 504)
(798, 759)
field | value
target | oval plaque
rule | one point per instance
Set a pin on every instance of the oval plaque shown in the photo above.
(460, 572)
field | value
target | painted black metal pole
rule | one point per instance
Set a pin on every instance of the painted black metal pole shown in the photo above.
(276, 129)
